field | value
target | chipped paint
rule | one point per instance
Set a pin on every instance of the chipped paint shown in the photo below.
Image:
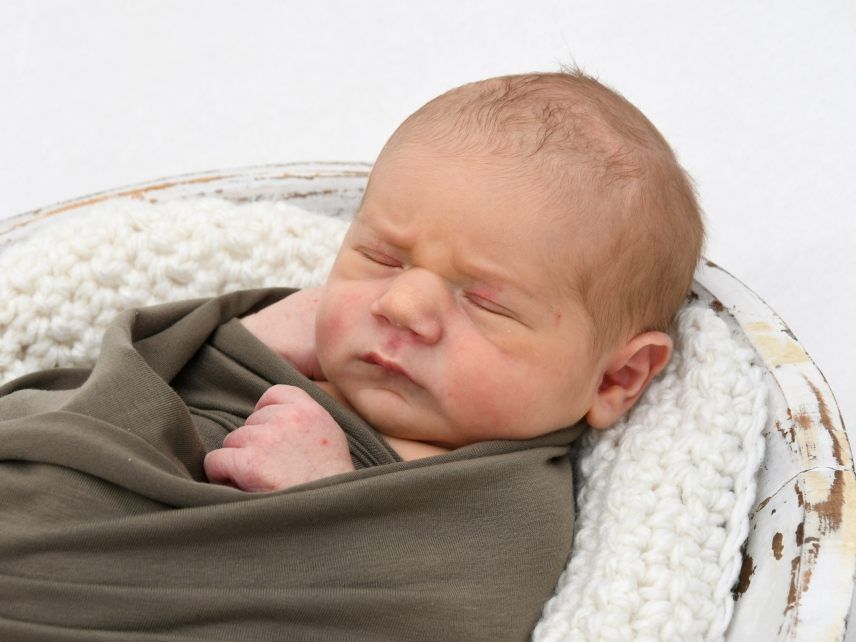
(136, 192)
(762, 327)
(829, 509)
(788, 435)
(746, 572)
(763, 503)
(807, 565)
(779, 351)
(313, 176)
(777, 546)
(802, 571)
(41, 215)
(827, 423)
(793, 588)
(804, 420)
(301, 194)
(826, 534)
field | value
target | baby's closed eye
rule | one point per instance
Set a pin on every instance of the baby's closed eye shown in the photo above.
(488, 305)
(381, 258)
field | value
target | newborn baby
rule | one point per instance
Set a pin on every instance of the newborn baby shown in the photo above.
(521, 249)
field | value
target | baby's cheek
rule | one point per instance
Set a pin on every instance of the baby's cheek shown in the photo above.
(336, 317)
(353, 299)
(505, 398)
(332, 328)
(478, 398)
(329, 338)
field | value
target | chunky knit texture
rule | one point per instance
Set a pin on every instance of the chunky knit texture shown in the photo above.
(663, 497)
(60, 288)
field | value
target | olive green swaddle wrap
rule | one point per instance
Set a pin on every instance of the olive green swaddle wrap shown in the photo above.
(109, 531)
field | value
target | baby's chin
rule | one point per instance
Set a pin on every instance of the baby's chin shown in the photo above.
(400, 430)
(440, 434)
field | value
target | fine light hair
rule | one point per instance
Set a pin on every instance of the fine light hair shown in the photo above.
(633, 224)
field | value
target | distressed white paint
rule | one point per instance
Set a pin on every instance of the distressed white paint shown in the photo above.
(806, 488)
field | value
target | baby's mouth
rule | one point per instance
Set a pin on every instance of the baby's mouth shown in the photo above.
(389, 366)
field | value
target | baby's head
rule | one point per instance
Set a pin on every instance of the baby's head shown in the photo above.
(521, 249)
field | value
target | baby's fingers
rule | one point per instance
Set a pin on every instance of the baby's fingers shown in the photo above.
(220, 465)
(282, 394)
(241, 468)
(254, 433)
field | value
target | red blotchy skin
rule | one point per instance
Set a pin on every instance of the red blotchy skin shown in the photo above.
(393, 343)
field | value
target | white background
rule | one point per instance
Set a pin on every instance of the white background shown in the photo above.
(758, 99)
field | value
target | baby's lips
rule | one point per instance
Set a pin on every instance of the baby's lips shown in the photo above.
(373, 358)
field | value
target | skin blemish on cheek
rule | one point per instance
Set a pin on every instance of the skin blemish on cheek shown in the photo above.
(557, 317)
(335, 325)
(325, 441)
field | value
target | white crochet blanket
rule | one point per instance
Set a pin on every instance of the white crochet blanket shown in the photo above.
(663, 498)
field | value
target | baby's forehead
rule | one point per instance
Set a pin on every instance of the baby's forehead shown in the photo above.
(555, 202)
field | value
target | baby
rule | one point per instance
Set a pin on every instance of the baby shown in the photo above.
(521, 249)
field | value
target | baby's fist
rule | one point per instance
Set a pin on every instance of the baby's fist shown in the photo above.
(288, 440)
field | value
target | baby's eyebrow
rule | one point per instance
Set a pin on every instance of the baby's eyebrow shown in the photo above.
(384, 230)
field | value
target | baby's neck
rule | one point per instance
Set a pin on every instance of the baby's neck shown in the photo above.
(407, 449)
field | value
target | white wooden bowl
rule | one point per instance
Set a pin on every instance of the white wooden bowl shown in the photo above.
(798, 570)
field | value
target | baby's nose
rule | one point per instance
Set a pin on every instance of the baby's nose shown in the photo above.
(414, 301)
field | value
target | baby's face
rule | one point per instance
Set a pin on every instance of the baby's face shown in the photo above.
(446, 318)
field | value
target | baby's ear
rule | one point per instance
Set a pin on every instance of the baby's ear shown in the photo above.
(628, 372)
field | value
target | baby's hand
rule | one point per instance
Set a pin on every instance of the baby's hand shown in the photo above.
(288, 440)
(288, 328)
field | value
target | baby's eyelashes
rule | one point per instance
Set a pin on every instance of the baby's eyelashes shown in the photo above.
(380, 258)
(489, 306)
